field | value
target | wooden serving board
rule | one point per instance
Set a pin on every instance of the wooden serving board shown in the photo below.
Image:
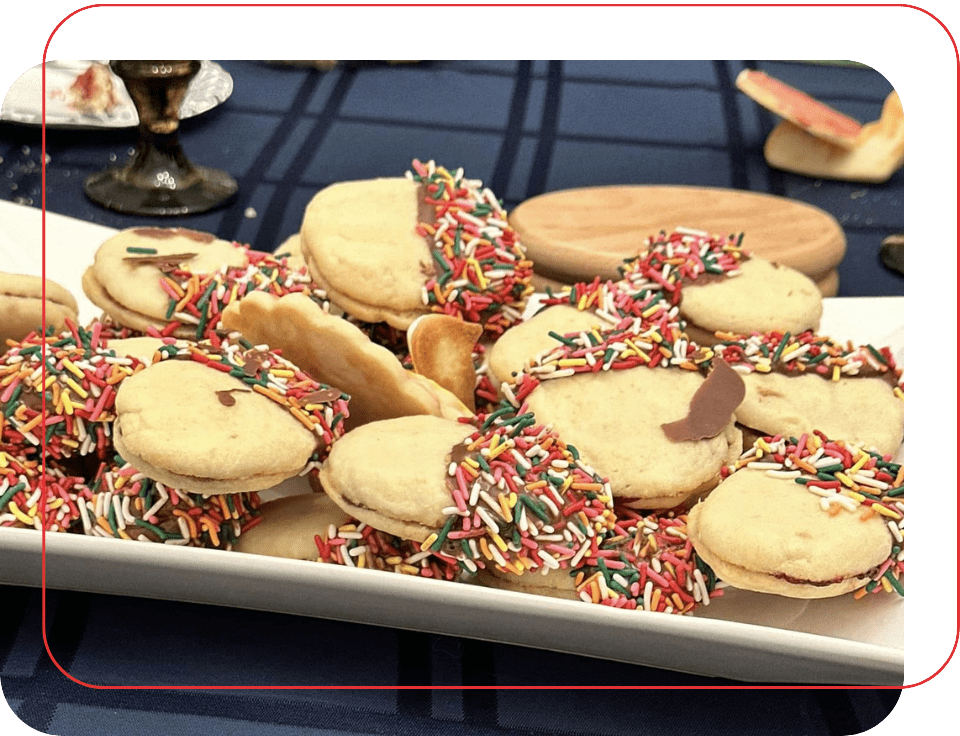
(578, 234)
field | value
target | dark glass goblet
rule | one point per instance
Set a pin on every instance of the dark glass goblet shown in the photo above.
(159, 179)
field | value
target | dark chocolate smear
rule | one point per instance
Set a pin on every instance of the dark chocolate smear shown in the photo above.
(226, 398)
(711, 406)
(322, 396)
(163, 261)
(427, 213)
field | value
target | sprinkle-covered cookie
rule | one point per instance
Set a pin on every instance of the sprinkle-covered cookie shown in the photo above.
(175, 281)
(62, 389)
(798, 383)
(508, 494)
(37, 497)
(225, 416)
(122, 502)
(720, 286)
(805, 517)
(618, 395)
(391, 249)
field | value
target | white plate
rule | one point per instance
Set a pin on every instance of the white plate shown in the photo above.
(744, 636)
(22, 103)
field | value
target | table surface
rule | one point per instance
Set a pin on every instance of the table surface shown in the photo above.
(524, 128)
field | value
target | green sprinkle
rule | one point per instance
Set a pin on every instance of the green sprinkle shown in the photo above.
(877, 355)
(532, 504)
(817, 358)
(155, 529)
(780, 347)
(893, 581)
(566, 341)
(895, 492)
(442, 536)
(10, 493)
(142, 251)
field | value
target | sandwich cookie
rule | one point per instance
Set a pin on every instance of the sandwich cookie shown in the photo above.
(508, 493)
(805, 517)
(391, 249)
(652, 412)
(798, 383)
(225, 416)
(719, 286)
(175, 281)
(579, 308)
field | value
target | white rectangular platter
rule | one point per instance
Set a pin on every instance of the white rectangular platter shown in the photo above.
(743, 636)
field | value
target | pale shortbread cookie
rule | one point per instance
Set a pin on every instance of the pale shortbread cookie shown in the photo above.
(361, 243)
(521, 343)
(22, 302)
(860, 409)
(764, 296)
(173, 426)
(393, 474)
(441, 349)
(337, 352)
(614, 420)
(770, 535)
(287, 526)
(130, 291)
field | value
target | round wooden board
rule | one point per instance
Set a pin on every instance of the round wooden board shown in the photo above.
(577, 234)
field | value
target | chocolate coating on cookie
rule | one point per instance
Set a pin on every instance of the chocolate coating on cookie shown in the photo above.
(711, 406)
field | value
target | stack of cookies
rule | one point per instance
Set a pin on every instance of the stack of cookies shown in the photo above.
(639, 443)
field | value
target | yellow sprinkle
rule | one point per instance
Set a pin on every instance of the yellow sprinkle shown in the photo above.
(485, 548)
(854, 495)
(50, 380)
(72, 368)
(885, 511)
(78, 389)
(282, 372)
(898, 392)
(886, 585)
(504, 507)
(67, 404)
(428, 542)
(571, 362)
(836, 373)
(481, 280)
(845, 480)
(497, 540)
(28, 427)
(409, 569)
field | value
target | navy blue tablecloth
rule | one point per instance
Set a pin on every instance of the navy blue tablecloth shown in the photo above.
(524, 128)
